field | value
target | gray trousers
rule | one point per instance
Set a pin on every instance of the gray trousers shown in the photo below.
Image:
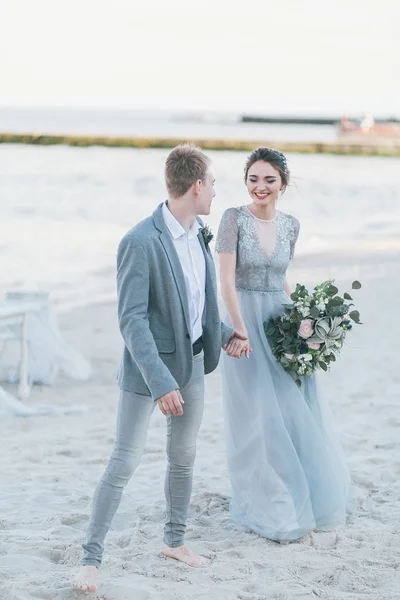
(134, 414)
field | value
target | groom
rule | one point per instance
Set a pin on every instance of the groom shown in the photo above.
(169, 320)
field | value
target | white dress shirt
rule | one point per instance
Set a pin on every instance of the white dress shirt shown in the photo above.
(190, 253)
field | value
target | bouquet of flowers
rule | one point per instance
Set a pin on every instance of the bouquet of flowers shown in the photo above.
(312, 329)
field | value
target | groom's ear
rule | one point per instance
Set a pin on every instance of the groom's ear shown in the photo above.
(197, 187)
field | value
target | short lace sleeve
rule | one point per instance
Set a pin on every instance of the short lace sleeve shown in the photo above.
(227, 237)
(294, 235)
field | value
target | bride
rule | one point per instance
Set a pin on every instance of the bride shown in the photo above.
(286, 467)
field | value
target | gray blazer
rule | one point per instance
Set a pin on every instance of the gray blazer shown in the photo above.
(153, 312)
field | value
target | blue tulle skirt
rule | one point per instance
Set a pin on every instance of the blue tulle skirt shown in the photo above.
(287, 470)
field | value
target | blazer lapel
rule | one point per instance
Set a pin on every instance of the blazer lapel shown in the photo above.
(173, 258)
(210, 270)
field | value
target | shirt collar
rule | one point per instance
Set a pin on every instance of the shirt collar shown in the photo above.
(175, 228)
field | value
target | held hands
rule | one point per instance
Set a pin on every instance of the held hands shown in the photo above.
(171, 403)
(238, 344)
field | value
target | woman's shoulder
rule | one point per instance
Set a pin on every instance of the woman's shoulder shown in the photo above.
(228, 231)
(234, 212)
(291, 220)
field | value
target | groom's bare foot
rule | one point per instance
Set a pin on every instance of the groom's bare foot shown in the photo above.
(185, 555)
(86, 580)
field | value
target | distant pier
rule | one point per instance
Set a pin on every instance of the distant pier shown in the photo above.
(309, 120)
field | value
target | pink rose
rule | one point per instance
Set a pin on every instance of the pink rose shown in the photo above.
(306, 329)
(313, 345)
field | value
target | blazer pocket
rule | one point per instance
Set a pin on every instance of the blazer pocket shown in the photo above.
(165, 345)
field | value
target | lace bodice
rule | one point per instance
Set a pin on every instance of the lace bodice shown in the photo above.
(264, 248)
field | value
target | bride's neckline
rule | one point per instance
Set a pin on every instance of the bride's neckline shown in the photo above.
(262, 220)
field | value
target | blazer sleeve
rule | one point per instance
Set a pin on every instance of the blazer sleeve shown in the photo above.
(226, 333)
(133, 286)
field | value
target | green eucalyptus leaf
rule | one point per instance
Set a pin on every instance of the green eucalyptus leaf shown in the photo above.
(314, 312)
(323, 366)
(337, 300)
(331, 290)
(355, 316)
(347, 296)
(356, 285)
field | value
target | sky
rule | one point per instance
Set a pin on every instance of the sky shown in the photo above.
(315, 57)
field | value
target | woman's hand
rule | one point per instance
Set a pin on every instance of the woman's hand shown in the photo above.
(237, 344)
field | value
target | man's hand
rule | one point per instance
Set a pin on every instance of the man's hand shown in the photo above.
(171, 403)
(237, 344)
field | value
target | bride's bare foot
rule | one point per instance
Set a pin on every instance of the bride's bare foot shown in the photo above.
(86, 580)
(185, 555)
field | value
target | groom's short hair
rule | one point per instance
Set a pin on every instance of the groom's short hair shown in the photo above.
(185, 165)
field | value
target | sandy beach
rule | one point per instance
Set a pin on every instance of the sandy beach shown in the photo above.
(93, 97)
(51, 464)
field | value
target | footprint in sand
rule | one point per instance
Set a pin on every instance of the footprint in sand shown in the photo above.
(74, 519)
(70, 453)
(43, 594)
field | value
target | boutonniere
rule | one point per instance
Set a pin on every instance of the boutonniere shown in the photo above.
(207, 235)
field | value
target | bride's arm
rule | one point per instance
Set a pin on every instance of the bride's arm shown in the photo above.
(287, 288)
(227, 243)
(227, 262)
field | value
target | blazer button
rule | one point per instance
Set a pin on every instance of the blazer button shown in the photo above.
(188, 336)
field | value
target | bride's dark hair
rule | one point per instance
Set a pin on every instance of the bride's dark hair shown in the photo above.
(269, 155)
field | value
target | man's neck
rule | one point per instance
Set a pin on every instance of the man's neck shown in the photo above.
(179, 209)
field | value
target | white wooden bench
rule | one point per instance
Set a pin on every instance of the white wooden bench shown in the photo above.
(17, 314)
